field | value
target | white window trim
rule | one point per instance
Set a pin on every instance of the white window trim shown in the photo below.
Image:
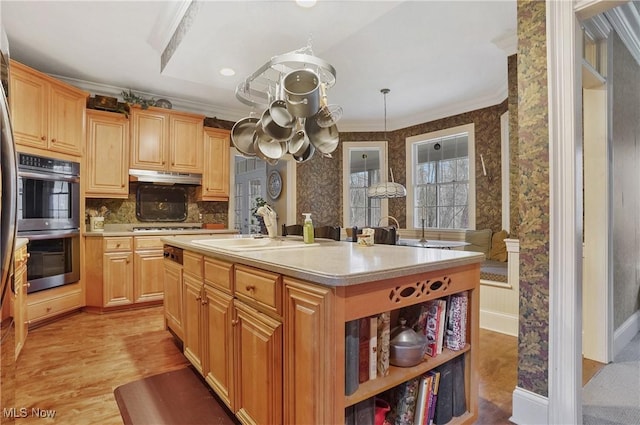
(410, 141)
(347, 147)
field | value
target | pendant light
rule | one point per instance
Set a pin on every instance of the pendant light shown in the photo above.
(386, 189)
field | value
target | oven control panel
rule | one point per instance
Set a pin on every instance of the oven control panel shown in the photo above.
(40, 163)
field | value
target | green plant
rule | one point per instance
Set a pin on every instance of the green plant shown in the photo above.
(259, 201)
(132, 98)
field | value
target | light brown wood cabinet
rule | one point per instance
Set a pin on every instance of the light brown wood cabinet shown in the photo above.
(219, 364)
(46, 113)
(165, 140)
(107, 172)
(20, 297)
(215, 176)
(123, 271)
(194, 310)
(173, 298)
(288, 339)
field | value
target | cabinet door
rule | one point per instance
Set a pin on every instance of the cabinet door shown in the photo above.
(107, 155)
(258, 340)
(66, 119)
(173, 297)
(21, 285)
(118, 278)
(149, 139)
(148, 276)
(215, 177)
(309, 355)
(186, 145)
(219, 349)
(193, 307)
(29, 102)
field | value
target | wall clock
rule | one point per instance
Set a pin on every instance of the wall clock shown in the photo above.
(274, 184)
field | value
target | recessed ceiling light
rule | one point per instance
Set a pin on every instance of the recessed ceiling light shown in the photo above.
(227, 72)
(306, 3)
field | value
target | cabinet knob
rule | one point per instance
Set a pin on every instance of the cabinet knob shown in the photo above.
(43, 138)
(198, 298)
(27, 285)
(204, 302)
(234, 322)
(250, 288)
(53, 140)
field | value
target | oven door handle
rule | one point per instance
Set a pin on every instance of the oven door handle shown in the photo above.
(45, 176)
(52, 234)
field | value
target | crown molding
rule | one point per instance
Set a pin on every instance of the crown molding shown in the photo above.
(179, 104)
(625, 19)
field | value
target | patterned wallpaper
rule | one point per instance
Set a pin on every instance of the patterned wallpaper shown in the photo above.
(514, 177)
(319, 180)
(533, 201)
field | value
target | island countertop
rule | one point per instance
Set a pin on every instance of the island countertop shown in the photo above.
(333, 263)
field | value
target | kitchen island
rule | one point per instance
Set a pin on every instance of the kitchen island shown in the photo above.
(266, 327)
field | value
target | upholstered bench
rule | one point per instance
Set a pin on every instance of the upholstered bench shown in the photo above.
(492, 245)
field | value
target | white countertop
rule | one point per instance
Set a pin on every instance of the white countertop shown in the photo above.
(127, 230)
(339, 263)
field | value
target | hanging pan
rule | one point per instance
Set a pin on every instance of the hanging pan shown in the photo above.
(328, 115)
(242, 135)
(325, 139)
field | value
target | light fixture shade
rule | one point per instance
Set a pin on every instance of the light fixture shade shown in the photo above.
(386, 190)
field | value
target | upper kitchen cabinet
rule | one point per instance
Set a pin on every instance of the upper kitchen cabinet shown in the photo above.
(215, 177)
(165, 140)
(46, 113)
(107, 155)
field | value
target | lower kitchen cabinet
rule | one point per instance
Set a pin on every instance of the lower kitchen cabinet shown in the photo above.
(20, 297)
(258, 345)
(123, 271)
(173, 297)
(193, 290)
(219, 366)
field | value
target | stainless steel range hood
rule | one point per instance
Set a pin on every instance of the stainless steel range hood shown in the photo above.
(164, 177)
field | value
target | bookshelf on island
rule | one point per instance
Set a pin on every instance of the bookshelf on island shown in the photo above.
(363, 301)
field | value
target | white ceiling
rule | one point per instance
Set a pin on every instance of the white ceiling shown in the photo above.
(439, 58)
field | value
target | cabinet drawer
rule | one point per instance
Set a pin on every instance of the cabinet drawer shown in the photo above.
(52, 307)
(147, 242)
(219, 274)
(260, 288)
(192, 264)
(118, 244)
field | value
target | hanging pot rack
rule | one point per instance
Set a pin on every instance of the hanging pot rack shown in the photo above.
(256, 89)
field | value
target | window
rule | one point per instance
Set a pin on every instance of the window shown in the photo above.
(363, 163)
(441, 190)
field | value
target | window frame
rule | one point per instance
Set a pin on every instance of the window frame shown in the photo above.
(347, 147)
(410, 169)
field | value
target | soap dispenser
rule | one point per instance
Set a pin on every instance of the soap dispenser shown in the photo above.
(307, 229)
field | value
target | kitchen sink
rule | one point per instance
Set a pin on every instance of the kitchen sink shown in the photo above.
(252, 244)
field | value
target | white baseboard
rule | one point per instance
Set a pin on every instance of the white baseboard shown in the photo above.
(499, 322)
(625, 333)
(529, 408)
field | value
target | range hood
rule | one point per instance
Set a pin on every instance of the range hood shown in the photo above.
(164, 177)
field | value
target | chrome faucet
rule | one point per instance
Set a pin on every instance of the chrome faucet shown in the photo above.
(270, 219)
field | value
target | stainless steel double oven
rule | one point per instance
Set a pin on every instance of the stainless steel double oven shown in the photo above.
(48, 214)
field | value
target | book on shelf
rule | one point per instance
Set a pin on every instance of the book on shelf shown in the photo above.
(373, 347)
(361, 413)
(422, 404)
(444, 402)
(432, 314)
(406, 399)
(435, 383)
(456, 332)
(459, 399)
(363, 365)
(384, 332)
(442, 311)
(352, 356)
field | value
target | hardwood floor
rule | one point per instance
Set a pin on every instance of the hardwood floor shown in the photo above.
(73, 365)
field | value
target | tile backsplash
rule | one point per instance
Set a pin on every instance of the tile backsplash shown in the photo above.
(123, 211)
